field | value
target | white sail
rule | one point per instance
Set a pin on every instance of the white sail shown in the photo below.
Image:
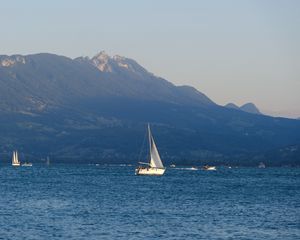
(155, 160)
(15, 160)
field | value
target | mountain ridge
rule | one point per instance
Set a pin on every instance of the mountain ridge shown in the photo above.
(72, 111)
(87, 79)
(247, 107)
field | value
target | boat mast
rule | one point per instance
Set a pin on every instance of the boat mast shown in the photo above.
(149, 138)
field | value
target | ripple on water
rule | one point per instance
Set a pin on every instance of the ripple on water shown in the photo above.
(110, 202)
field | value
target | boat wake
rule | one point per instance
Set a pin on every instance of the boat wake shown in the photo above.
(188, 169)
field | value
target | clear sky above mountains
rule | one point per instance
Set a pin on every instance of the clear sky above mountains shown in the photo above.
(233, 51)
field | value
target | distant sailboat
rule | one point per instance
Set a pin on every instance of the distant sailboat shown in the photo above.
(261, 165)
(155, 166)
(48, 161)
(15, 159)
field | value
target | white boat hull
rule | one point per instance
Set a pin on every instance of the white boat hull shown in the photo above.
(27, 165)
(16, 164)
(211, 169)
(150, 171)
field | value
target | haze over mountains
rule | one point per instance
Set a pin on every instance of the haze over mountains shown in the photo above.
(96, 109)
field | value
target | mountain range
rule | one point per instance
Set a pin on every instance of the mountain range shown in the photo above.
(247, 107)
(95, 110)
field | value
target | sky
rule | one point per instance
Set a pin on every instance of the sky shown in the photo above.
(233, 51)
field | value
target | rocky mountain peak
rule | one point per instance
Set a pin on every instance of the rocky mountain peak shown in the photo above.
(102, 62)
(8, 61)
(116, 64)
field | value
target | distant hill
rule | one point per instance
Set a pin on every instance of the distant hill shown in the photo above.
(96, 110)
(233, 106)
(248, 107)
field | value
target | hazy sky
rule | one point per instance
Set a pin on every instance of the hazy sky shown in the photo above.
(233, 51)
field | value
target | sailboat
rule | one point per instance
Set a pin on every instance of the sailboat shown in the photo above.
(15, 159)
(48, 161)
(155, 165)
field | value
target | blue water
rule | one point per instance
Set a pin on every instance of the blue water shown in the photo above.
(110, 202)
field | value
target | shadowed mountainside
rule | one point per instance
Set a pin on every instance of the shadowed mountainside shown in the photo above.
(96, 110)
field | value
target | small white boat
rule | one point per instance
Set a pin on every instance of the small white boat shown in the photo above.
(261, 165)
(155, 166)
(172, 165)
(27, 164)
(209, 168)
(15, 160)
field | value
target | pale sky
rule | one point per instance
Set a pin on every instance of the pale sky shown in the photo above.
(233, 51)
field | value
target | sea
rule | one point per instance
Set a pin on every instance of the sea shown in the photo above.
(110, 202)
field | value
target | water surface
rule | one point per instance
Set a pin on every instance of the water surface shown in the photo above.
(110, 202)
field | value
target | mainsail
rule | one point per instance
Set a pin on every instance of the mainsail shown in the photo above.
(155, 160)
(15, 159)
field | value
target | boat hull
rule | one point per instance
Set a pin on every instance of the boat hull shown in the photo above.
(150, 171)
(209, 168)
(27, 165)
(16, 164)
